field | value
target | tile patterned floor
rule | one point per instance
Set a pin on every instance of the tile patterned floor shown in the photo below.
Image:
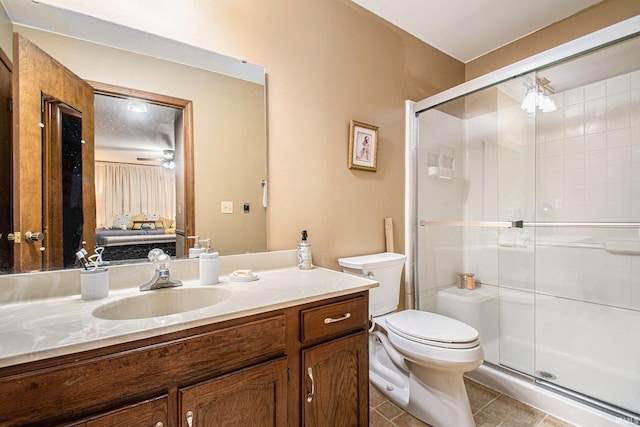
(490, 409)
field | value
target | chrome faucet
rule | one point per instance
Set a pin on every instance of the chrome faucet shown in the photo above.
(162, 277)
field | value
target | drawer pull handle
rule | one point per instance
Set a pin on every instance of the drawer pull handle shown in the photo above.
(337, 319)
(313, 386)
(189, 415)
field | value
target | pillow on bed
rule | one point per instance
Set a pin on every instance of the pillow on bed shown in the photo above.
(151, 225)
(138, 217)
(166, 223)
(121, 222)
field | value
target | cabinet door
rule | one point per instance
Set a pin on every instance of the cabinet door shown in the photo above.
(152, 413)
(336, 383)
(256, 396)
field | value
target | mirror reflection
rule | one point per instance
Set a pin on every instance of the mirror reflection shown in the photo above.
(227, 129)
(135, 175)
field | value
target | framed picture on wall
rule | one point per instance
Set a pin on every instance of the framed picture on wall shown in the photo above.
(363, 146)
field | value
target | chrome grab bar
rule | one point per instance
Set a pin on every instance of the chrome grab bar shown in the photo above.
(522, 224)
(493, 224)
(584, 224)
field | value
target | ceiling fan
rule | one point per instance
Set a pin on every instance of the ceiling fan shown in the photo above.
(167, 159)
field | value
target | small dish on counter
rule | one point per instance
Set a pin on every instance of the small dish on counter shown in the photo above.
(243, 276)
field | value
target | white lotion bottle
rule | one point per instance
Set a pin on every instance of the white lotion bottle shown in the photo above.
(197, 249)
(304, 253)
(209, 268)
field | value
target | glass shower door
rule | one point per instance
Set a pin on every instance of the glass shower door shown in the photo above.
(476, 171)
(587, 317)
(558, 149)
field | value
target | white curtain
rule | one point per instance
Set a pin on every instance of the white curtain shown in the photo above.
(123, 188)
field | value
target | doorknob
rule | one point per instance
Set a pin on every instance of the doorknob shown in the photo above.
(34, 236)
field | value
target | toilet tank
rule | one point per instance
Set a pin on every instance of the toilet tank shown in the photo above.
(386, 269)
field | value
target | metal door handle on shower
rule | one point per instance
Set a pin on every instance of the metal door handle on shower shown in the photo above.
(522, 224)
(493, 224)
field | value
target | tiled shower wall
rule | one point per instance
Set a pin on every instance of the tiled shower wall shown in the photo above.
(588, 156)
(589, 152)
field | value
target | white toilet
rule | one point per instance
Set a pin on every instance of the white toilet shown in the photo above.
(416, 358)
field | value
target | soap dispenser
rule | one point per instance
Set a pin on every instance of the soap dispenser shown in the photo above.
(304, 253)
(209, 266)
(197, 249)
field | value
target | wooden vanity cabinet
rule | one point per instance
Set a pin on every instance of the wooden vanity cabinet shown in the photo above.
(335, 364)
(235, 373)
(255, 396)
(122, 382)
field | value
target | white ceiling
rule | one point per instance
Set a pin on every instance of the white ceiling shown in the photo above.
(467, 29)
(122, 135)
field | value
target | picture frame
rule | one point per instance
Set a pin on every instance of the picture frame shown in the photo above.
(363, 146)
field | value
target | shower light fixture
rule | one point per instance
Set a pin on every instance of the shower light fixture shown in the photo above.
(136, 107)
(168, 161)
(538, 96)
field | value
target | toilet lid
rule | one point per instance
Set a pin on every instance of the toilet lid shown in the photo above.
(432, 328)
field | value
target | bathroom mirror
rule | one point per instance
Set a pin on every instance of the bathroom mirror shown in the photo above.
(228, 108)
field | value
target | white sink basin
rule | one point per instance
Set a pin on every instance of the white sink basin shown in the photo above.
(161, 302)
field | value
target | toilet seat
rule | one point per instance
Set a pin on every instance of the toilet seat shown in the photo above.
(432, 329)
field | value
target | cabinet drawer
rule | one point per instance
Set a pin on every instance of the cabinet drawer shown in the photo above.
(334, 319)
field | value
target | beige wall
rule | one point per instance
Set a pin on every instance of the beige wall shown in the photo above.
(329, 62)
(589, 20)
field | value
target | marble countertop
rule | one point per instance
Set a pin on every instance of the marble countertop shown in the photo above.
(41, 329)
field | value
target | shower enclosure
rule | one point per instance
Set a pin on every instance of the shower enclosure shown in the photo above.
(532, 183)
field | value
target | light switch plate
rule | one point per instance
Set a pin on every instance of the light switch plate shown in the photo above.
(226, 207)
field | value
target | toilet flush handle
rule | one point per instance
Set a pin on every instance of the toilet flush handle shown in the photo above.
(370, 275)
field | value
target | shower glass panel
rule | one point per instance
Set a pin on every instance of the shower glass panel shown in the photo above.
(558, 149)
(587, 312)
(488, 143)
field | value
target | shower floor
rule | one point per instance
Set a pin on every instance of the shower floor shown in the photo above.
(490, 408)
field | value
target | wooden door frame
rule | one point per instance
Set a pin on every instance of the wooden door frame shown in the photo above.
(53, 192)
(185, 218)
(35, 73)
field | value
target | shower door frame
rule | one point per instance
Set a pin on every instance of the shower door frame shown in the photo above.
(626, 29)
